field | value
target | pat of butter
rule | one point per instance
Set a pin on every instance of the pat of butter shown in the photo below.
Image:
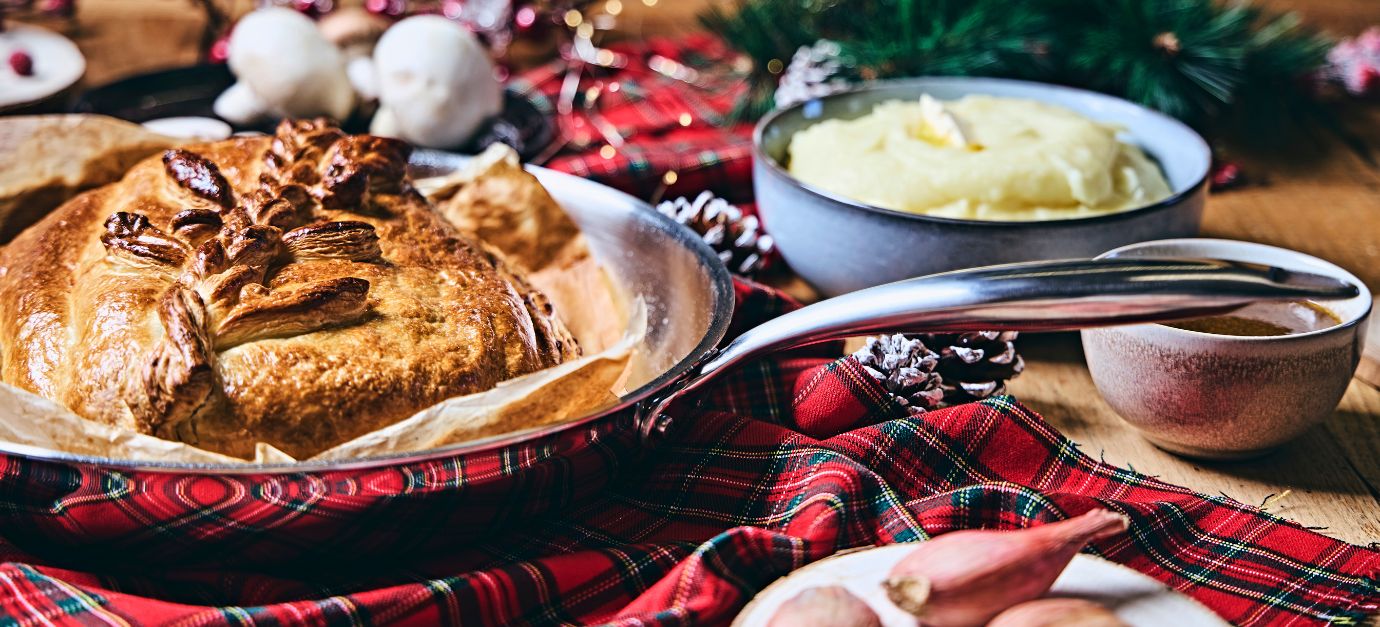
(939, 126)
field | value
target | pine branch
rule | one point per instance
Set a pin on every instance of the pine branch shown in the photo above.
(1183, 57)
(1213, 65)
(768, 32)
(1279, 93)
(945, 37)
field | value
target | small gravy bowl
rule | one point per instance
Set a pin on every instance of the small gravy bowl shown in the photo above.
(1215, 396)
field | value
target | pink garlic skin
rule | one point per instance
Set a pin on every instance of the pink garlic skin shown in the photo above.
(827, 606)
(975, 575)
(1058, 612)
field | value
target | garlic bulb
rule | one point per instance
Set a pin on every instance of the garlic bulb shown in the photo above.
(435, 83)
(967, 577)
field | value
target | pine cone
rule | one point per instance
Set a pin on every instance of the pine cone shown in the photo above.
(906, 368)
(738, 239)
(814, 71)
(976, 365)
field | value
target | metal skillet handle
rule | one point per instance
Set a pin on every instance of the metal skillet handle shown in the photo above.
(1039, 296)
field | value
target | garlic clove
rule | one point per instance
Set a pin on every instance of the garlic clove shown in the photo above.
(968, 577)
(1058, 612)
(827, 606)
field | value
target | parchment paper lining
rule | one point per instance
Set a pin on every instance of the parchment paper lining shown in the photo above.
(608, 327)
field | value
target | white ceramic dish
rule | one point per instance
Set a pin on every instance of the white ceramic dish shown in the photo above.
(1135, 598)
(840, 245)
(58, 64)
(1220, 396)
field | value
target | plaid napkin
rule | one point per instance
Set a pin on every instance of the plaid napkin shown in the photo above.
(733, 497)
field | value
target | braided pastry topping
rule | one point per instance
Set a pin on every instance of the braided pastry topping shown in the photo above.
(291, 289)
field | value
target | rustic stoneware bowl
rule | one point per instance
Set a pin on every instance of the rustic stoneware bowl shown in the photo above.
(1227, 397)
(840, 245)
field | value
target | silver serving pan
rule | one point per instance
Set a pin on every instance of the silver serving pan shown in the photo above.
(689, 298)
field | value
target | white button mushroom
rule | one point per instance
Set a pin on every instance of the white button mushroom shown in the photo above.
(436, 83)
(285, 67)
(355, 31)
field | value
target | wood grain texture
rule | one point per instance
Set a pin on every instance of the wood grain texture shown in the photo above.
(1370, 360)
(1327, 206)
(1326, 486)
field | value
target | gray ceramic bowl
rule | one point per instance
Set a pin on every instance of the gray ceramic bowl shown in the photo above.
(1221, 396)
(841, 245)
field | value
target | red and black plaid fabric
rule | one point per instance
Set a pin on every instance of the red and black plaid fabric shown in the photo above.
(733, 497)
(685, 532)
(670, 125)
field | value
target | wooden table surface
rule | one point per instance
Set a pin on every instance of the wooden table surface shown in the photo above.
(1326, 205)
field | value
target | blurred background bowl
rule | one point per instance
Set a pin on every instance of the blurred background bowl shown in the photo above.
(840, 245)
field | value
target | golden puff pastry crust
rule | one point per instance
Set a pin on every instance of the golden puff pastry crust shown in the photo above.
(292, 289)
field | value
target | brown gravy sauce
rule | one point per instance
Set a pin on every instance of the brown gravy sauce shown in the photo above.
(1266, 319)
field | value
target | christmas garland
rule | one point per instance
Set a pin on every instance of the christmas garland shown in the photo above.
(1218, 67)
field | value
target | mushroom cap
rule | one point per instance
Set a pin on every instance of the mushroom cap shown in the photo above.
(352, 26)
(437, 80)
(289, 65)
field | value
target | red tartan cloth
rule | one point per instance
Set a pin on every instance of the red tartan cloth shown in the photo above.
(647, 108)
(685, 533)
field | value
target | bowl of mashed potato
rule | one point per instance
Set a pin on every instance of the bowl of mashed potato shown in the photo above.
(898, 179)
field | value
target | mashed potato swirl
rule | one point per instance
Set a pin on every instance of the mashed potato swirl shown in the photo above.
(1023, 160)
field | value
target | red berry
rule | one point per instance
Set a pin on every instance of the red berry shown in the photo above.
(1366, 81)
(22, 63)
(1226, 175)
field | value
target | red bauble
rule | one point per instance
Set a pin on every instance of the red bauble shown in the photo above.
(525, 18)
(388, 8)
(452, 9)
(313, 8)
(1226, 175)
(220, 50)
(64, 8)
